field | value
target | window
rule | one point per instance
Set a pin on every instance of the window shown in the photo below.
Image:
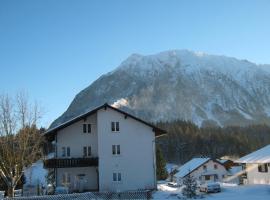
(65, 179)
(87, 151)
(262, 168)
(117, 177)
(116, 149)
(215, 166)
(65, 151)
(115, 126)
(207, 177)
(204, 167)
(87, 128)
(68, 151)
(113, 149)
(84, 128)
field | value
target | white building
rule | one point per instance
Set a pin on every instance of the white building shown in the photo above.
(202, 169)
(257, 166)
(105, 149)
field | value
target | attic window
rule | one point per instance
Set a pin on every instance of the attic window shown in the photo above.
(263, 168)
(204, 167)
(87, 128)
(115, 126)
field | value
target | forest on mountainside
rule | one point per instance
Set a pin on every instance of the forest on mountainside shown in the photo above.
(185, 140)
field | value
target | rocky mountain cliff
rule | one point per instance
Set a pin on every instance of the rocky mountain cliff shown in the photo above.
(181, 84)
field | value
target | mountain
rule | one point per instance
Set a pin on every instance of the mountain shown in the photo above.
(181, 84)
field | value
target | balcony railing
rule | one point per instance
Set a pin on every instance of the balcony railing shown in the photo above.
(70, 162)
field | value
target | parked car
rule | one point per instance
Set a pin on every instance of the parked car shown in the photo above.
(2, 194)
(210, 187)
(172, 184)
(61, 190)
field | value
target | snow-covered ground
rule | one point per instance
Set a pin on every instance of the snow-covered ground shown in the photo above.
(36, 174)
(228, 192)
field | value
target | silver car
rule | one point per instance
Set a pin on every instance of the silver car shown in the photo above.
(210, 187)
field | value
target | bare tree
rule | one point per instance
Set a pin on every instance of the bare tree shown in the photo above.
(20, 140)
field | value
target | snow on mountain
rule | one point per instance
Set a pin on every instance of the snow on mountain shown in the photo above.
(181, 84)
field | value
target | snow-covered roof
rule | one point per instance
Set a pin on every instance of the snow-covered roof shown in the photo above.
(222, 161)
(235, 170)
(260, 156)
(171, 167)
(190, 166)
(53, 130)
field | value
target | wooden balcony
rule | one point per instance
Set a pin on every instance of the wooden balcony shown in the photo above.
(70, 162)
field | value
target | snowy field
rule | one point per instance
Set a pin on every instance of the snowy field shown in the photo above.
(228, 192)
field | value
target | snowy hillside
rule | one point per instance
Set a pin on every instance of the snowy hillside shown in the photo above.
(181, 84)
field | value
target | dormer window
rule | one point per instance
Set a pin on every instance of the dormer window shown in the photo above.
(87, 128)
(115, 126)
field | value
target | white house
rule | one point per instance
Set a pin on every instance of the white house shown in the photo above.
(104, 149)
(202, 169)
(257, 166)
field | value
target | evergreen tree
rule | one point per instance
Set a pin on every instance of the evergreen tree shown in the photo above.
(190, 184)
(161, 165)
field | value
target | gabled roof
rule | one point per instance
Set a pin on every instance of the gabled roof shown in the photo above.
(190, 166)
(53, 130)
(260, 156)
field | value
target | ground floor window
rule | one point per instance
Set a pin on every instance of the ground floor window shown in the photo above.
(66, 179)
(207, 177)
(117, 177)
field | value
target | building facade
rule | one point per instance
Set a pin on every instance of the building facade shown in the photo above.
(201, 169)
(105, 149)
(257, 166)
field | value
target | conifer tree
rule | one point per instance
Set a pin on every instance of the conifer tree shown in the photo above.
(190, 184)
(161, 165)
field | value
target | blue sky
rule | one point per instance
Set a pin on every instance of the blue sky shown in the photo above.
(55, 48)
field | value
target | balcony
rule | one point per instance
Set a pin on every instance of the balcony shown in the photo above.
(70, 162)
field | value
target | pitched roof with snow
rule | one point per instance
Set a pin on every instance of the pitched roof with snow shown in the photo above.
(260, 156)
(53, 130)
(190, 166)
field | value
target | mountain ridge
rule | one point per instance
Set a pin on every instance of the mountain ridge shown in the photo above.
(182, 84)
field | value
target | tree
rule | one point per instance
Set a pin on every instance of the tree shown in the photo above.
(161, 165)
(20, 140)
(190, 184)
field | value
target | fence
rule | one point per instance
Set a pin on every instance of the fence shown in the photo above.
(91, 195)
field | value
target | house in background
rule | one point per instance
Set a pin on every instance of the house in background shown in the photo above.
(202, 169)
(257, 166)
(104, 149)
(234, 171)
